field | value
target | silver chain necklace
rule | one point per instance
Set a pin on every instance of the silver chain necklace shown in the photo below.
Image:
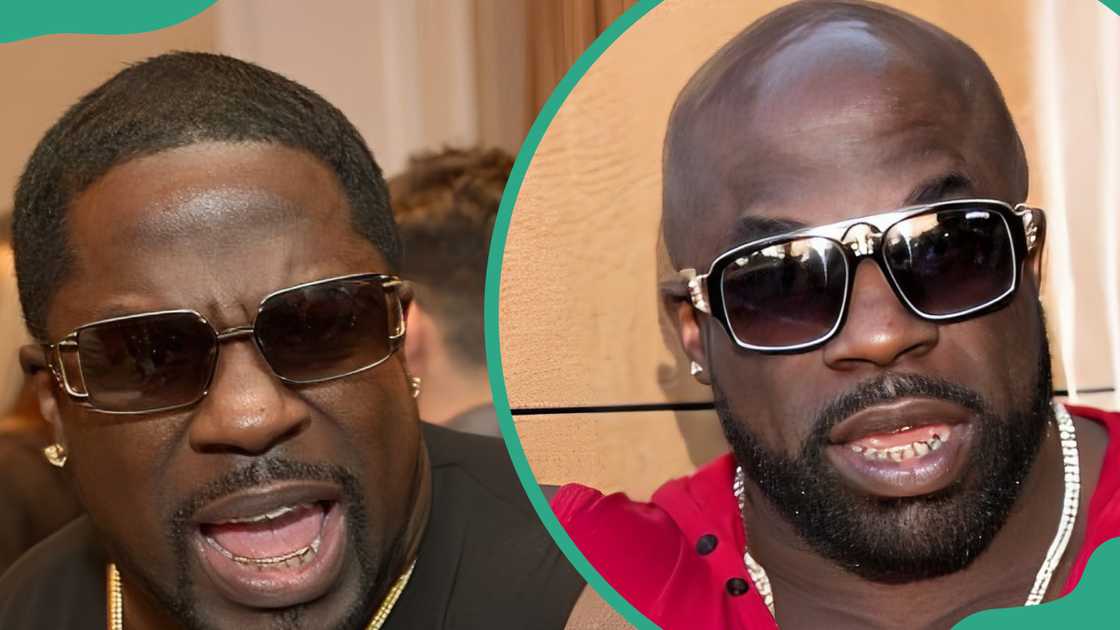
(1071, 464)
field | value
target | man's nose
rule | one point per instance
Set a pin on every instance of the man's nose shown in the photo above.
(879, 331)
(248, 410)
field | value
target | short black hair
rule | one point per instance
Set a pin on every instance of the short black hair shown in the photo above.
(446, 204)
(169, 101)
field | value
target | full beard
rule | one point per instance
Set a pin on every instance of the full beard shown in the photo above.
(899, 540)
(180, 601)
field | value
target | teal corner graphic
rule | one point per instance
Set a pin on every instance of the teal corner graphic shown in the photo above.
(32, 18)
(1086, 607)
(1089, 606)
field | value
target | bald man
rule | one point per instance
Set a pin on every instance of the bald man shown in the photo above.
(859, 286)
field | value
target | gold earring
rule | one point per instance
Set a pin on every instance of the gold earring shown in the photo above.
(695, 368)
(414, 386)
(56, 455)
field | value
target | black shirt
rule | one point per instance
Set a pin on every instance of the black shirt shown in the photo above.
(485, 560)
(35, 497)
(480, 420)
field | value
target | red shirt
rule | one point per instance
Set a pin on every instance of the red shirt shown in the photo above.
(652, 552)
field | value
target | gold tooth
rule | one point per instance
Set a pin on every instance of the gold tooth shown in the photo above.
(260, 563)
(896, 453)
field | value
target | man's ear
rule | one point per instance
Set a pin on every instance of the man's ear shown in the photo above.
(32, 359)
(687, 326)
(417, 340)
(406, 293)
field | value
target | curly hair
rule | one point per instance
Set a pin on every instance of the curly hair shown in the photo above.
(445, 205)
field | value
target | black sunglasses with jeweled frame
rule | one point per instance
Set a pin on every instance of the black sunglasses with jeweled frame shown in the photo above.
(159, 361)
(946, 262)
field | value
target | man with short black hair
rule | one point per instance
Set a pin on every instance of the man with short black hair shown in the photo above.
(859, 286)
(207, 258)
(445, 204)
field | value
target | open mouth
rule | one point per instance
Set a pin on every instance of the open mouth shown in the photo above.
(289, 536)
(903, 449)
(275, 546)
(904, 444)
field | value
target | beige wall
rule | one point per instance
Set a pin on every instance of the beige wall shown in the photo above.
(409, 75)
(579, 316)
(1075, 83)
(11, 320)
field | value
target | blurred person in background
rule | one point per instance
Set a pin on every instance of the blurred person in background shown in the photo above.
(445, 204)
(35, 497)
(207, 262)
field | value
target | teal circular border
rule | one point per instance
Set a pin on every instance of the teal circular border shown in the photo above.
(1085, 607)
(490, 312)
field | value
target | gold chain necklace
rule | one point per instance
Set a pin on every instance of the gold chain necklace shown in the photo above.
(116, 599)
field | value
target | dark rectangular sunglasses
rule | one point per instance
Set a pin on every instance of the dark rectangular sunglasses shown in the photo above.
(309, 333)
(947, 262)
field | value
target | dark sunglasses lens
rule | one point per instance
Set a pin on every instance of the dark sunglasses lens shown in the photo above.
(146, 363)
(787, 294)
(948, 263)
(327, 330)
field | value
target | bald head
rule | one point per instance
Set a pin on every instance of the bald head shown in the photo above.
(823, 98)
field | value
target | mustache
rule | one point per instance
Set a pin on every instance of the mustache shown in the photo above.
(257, 473)
(887, 388)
